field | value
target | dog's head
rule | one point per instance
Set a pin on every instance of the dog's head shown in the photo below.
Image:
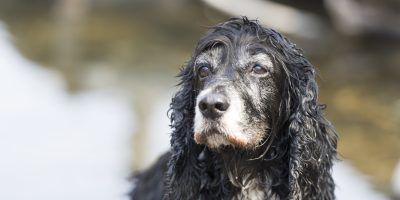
(249, 88)
(239, 86)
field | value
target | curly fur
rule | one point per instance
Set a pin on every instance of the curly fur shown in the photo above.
(293, 162)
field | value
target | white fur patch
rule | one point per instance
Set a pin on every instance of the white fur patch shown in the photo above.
(199, 121)
(213, 57)
(255, 190)
(233, 117)
(215, 140)
(260, 58)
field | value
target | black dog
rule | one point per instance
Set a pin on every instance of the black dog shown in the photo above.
(246, 123)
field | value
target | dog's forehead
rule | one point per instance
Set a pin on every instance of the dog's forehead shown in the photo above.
(240, 56)
(213, 55)
(259, 58)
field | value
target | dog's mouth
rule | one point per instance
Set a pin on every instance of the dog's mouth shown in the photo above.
(215, 135)
(216, 140)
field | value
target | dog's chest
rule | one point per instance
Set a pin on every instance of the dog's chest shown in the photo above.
(254, 190)
(250, 194)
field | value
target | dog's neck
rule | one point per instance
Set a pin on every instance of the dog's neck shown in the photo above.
(254, 178)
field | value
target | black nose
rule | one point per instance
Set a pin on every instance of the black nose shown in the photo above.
(213, 105)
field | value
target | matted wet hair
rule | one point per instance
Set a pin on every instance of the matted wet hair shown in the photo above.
(297, 159)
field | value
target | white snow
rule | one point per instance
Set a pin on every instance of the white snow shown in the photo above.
(396, 180)
(351, 184)
(54, 145)
(158, 129)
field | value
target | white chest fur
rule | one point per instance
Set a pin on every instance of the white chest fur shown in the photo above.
(254, 190)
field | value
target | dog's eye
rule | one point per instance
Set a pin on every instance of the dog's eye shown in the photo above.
(204, 71)
(258, 69)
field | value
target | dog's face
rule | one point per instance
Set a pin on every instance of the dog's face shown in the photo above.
(239, 91)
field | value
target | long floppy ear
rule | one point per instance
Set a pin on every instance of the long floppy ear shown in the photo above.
(183, 165)
(312, 139)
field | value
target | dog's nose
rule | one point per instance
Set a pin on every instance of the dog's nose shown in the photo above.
(213, 105)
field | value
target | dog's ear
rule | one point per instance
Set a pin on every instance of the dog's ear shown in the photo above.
(312, 139)
(312, 143)
(183, 164)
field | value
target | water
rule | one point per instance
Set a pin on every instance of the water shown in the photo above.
(55, 145)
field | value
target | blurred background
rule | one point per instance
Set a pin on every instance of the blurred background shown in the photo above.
(85, 87)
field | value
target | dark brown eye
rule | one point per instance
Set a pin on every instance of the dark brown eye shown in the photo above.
(258, 69)
(204, 70)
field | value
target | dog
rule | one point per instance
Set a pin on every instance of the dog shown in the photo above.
(246, 123)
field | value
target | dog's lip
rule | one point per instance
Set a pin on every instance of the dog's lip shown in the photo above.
(232, 139)
(201, 137)
(207, 133)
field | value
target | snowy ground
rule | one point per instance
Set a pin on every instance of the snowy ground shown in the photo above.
(55, 145)
(396, 181)
(351, 184)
